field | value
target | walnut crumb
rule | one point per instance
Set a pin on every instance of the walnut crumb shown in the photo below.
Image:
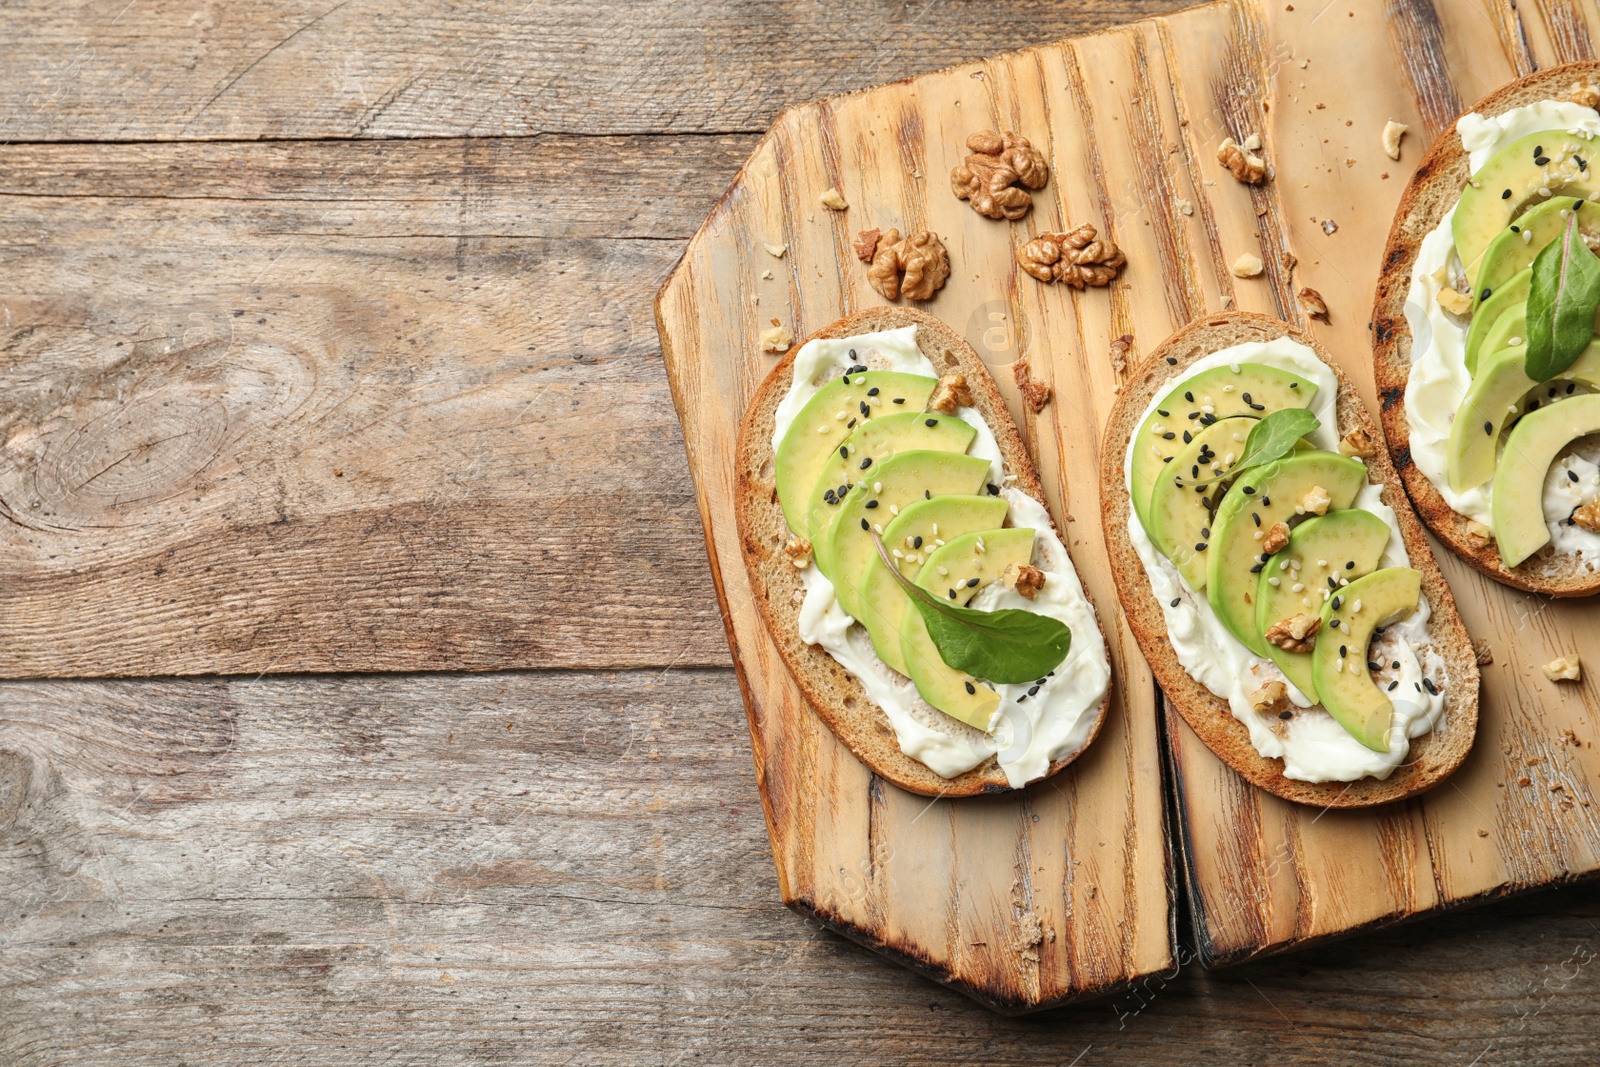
(1357, 443)
(1483, 833)
(866, 244)
(1277, 537)
(1077, 257)
(1584, 95)
(1330, 227)
(989, 177)
(1026, 580)
(776, 339)
(777, 251)
(1392, 132)
(952, 392)
(1119, 352)
(1454, 301)
(1243, 164)
(915, 268)
(1564, 669)
(1482, 653)
(832, 200)
(1035, 394)
(1294, 635)
(1312, 304)
(1316, 501)
(1248, 266)
(1270, 698)
(1479, 536)
(1588, 516)
(1185, 207)
(799, 551)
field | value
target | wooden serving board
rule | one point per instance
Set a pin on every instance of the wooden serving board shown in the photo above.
(1130, 120)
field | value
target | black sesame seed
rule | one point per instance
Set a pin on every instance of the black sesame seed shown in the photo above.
(1188, 438)
(1395, 665)
(853, 354)
(1506, 195)
(971, 582)
(850, 425)
(866, 463)
(842, 490)
(1485, 294)
(1033, 690)
(865, 525)
(1200, 547)
(1207, 419)
(927, 494)
(1256, 516)
(873, 391)
(1021, 698)
(1430, 687)
(844, 452)
(1194, 415)
(1286, 714)
(1538, 150)
(1168, 459)
(1249, 490)
(952, 593)
(994, 490)
(1374, 666)
(847, 378)
(1194, 471)
(1336, 602)
(899, 400)
(1246, 396)
(1516, 229)
(1572, 476)
(1393, 684)
(1350, 565)
(1257, 407)
(931, 422)
(1417, 687)
(1570, 387)
(1488, 427)
(971, 688)
(829, 497)
(1168, 436)
(865, 410)
(1541, 161)
(871, 504)
(1189, 397)
(916, 542)
(1344, 650)
(1533, 405)
(1294, 385)
(1257, 568)
(1164, 414)
(1175, 601)
(1173, 360)
(1205, 531)
(860, 368)
(1583, 164)
(1333, 583)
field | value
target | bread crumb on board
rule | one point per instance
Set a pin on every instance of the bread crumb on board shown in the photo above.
(832, 200)
(1248, 266)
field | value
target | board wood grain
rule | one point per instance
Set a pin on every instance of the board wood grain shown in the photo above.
(1130, 120)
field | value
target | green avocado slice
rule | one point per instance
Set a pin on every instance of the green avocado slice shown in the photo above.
(827, 419)
(923, 527)
(1260, 498)
(901, 479)
(1517, 502)
(1489, 328)
(1252, 390)
(870, 444)
(1180, 513)
(1339, 662)
(1501, 393)
(968, 568)
(1513, 251)
(1520, 176)
(1344, 544)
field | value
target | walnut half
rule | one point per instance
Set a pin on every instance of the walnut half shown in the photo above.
(1588, 517)
(1026, 580)
(988, 177)
(1077, 257)
(1294, 635)
(1271, 697)
(1277, 537)
(952, 392)
(1243, 164)
(916, 267)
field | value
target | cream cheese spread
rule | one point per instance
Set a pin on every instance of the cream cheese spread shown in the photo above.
(1312, 744)
(1439, 380)
(1030, 734)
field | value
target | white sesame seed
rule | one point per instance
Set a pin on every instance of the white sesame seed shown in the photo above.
(897, 554)
(1274, 582)
(1298, 587)
(935, 531)
(877, 528)
(1356, 607)
(1258, 535)
(943, 570)
(894, 509)
(877, 487)
(1322, 563)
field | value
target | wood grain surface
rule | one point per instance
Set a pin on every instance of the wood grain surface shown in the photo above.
(1130, 120)
(321, 870)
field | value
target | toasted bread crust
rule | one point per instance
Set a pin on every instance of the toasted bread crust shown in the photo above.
(831, 691)
(1434, 190)
(1433, 756)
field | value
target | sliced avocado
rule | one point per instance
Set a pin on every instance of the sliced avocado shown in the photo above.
(1180, 513)
(1339, 662)
(874, 442)
(858, 455)
(968, 569)
(1522, 175)
(1261, 497)
(901, 479)
(922, 528)
(1510, 301)
(1341, 544)
(1252, 390)
(1517, 502)
(827, 419)
(1516, 246)
(1500, 393)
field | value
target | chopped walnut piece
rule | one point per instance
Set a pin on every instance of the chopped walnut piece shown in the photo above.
(1248, 266)
(1357, 443)
(1312, 304)
(1482, 653)
(1078, 257)
(1241, 163)
(1185, 206)
(1584, 95)
(1026, 580)
(915, 268)
(1330, 227)
(1271, 697)
(1277, 537)
(776, 339)
(776, 250)
(1294, 635)
(1316, 501)
(952, 392)
(1119, 352)
(1588, 517)
(798, 550)
(1479, 536)
(988, 177)
(1392, 132)
(832, 200)
(1455, 301)
(1035, 394)
(1564, 669)
(866, 245)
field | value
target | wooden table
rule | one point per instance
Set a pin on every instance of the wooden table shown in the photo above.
(330, 377)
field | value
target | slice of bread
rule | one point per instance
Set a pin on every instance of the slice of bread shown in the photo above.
(1434, 190)
(838, 699)
(1432, 756)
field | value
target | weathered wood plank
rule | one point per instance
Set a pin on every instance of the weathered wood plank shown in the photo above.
(569, 867)
(345, 406)
(158, 71)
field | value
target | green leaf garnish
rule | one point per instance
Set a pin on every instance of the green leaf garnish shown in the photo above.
(1270, 439)
(1562, 300)
(1006, 646)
